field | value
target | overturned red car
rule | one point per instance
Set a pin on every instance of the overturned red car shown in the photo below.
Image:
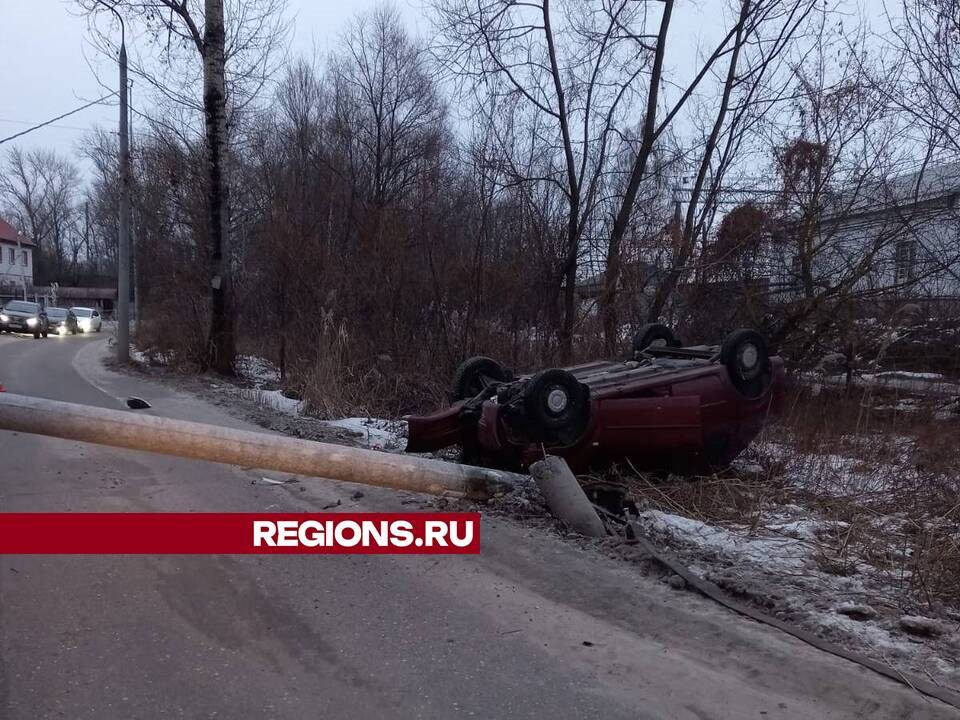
(667, 407)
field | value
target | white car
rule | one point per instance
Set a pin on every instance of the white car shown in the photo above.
(88, 319)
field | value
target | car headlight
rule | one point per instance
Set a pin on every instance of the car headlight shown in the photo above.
(31, 322)
(3, 318)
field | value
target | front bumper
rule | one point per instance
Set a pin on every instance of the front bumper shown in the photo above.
(16, 325)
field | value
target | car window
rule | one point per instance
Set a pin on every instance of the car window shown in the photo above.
(56, 312)
(81, 312)
(20, 306)
(96, 314)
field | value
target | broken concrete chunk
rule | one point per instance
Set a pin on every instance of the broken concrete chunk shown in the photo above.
(676, 582)
(920, 626)
(857, 611)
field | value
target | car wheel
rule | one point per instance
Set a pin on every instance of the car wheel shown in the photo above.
(474, 375)
(556, 407)
(654, 335)
(744, 352)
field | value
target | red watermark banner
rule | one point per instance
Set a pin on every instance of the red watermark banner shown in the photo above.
(239, 533)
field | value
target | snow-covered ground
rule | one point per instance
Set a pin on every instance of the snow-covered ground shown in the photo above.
(913, 382)
(370, 432)
(275, 400)
(827, 550)
(256, 370)
(374, 433)
(777, 568)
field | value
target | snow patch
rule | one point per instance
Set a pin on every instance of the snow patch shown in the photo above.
(374, 433)
(767, 550)
(275, 400)
(256, 370)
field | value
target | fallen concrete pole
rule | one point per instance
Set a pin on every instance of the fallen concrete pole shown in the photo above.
(133, 431)
(565, 497)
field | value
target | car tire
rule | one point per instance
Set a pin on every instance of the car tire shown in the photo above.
(473, 375)
(656, 335)
(556, 407)
(744, 353)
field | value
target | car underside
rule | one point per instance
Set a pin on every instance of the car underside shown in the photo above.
(666, 407)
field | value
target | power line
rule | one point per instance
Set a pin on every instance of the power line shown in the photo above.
(51, 121)
(10, 121)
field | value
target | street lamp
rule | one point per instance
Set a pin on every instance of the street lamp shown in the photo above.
(123, 251)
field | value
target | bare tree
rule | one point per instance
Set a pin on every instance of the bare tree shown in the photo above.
(176, 26)
(581, 78)
(557, 85)
(848, 211)
(746, 62)
(926, 37)
(41, 192)
(386, 106)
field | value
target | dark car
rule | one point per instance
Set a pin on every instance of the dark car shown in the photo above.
(62, 321)
(25, 317)
(686, 409)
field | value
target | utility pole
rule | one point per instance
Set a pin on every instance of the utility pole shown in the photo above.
(23, 270)
(134, 255)
(123, 251)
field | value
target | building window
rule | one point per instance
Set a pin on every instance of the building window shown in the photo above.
(905, 260)
(11, 256)
(24, 258)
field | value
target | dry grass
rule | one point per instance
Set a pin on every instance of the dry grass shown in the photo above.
(883, 485)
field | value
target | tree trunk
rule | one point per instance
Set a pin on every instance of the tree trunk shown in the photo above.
(611, 278)
(221, 342)
(570, 289)
(684, 245)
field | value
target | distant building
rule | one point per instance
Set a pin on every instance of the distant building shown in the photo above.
(16, 259)
(908, 227)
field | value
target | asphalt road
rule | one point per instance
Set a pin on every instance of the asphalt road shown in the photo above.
(534, 627)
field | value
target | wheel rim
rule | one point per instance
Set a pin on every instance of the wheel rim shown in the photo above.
(557, 400)
(749, 357)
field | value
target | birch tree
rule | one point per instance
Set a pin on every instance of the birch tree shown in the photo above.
(235, 48)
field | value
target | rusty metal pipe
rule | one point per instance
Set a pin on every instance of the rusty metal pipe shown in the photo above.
(132, 431)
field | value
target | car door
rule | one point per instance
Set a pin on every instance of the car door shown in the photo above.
(95, 322)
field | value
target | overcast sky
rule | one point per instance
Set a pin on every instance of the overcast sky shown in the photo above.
(45, 72)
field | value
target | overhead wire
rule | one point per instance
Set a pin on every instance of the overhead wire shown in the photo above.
(51, 121)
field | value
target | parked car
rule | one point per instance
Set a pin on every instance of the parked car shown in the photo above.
(88, 319)
(666, 407)
(62, 321)
(25, 317)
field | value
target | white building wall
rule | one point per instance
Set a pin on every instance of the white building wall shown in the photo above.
(914, 250)
(16, 264)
